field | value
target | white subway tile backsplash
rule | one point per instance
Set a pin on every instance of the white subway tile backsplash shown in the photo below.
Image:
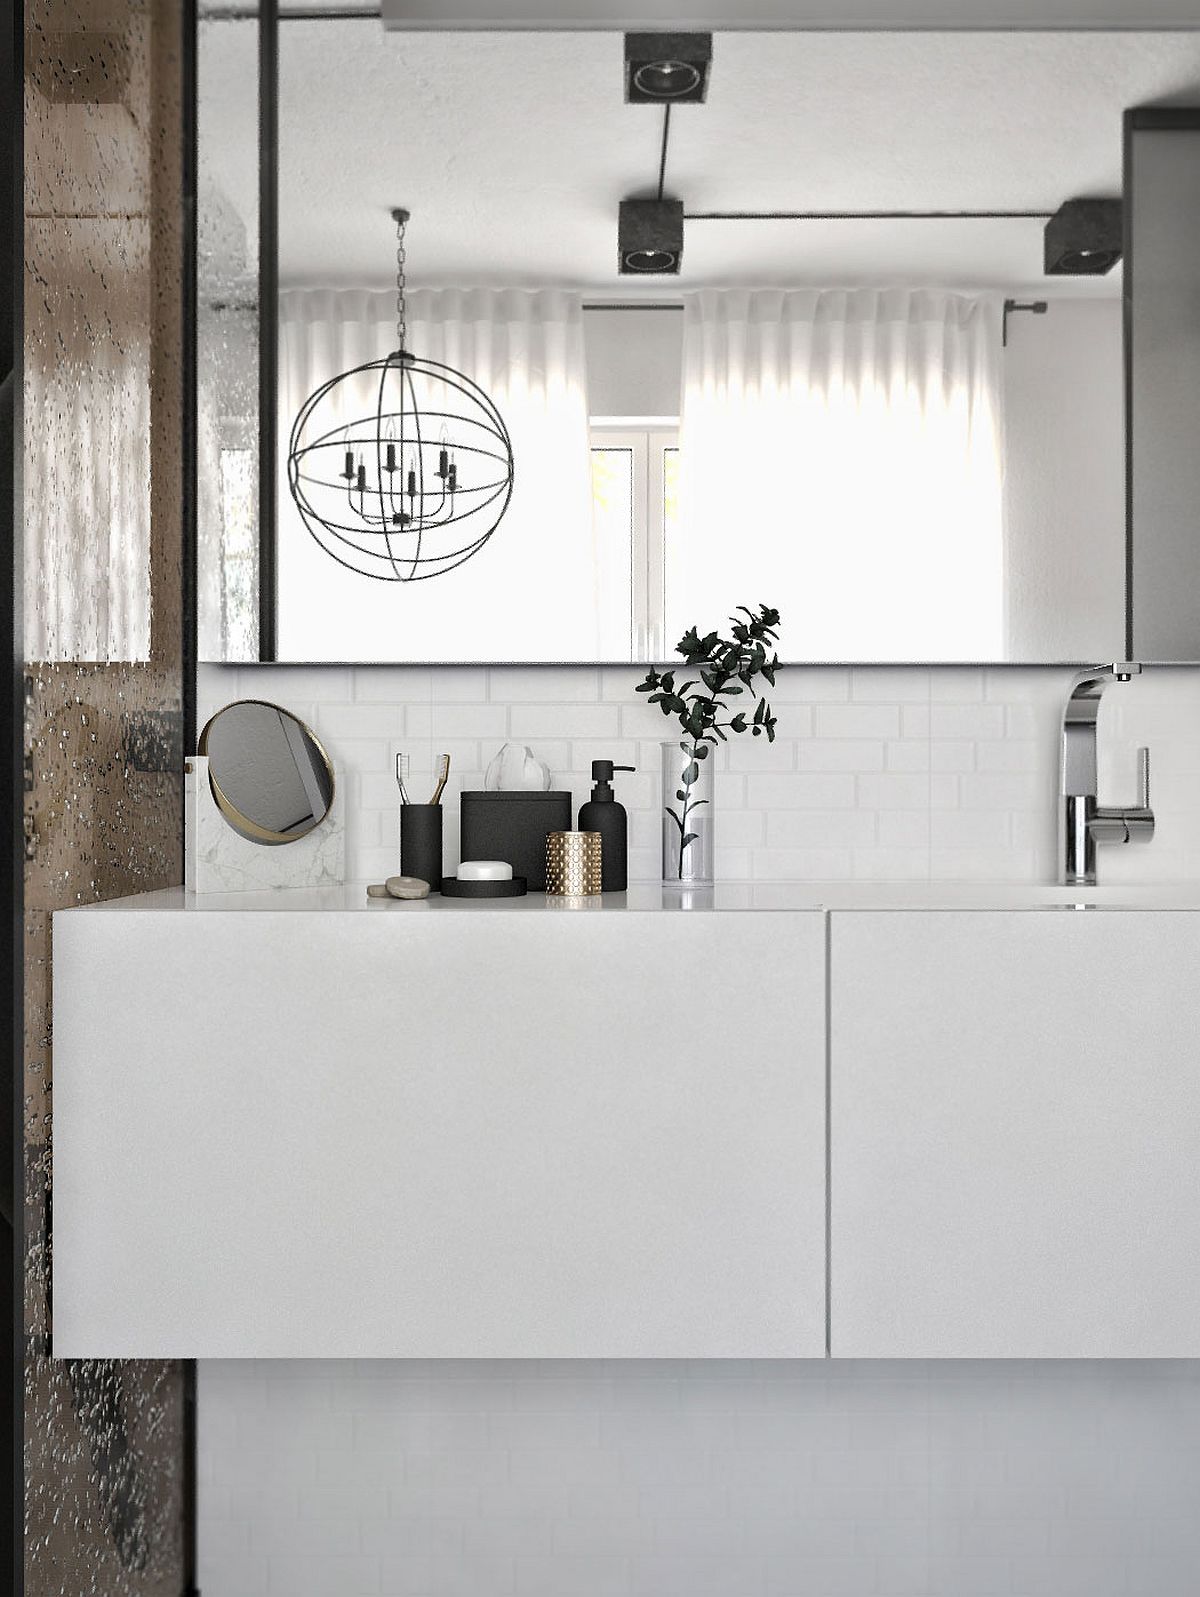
(908, 829)
(972, 721)
(1009, 754)
(804, 828)
(886, 684)
(857, 721)
(803, 791)
(895, 772)
(894, 792)
(841, 754)
(549, 684)
(818, 684)
(967, 829)
(992, 790)
(561, 720)
(343, 722)
(815, 864)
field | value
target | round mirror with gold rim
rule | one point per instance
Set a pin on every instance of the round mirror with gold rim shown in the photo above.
(270, 777)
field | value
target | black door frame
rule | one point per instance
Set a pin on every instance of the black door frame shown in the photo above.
(12, 980)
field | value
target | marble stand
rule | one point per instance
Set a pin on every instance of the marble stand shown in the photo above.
(219, 860)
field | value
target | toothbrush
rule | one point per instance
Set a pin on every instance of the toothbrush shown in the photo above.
(443, 771)
(402, 777)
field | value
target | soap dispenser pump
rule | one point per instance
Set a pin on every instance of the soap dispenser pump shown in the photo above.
(603, 814)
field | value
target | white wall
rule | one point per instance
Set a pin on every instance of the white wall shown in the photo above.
(634, 361)
(720, 1479)
(914, 773)
(1064, 480)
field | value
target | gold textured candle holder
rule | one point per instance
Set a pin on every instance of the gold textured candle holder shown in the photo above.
(573, 863)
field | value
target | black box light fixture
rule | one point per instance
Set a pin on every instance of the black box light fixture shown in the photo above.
(1083, 238)
(667, 68)
(650, 237)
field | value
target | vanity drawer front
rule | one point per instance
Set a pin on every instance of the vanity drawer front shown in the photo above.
(1015, 1135)
(543, 1134)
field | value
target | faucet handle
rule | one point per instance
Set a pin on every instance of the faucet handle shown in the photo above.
(1139, 822)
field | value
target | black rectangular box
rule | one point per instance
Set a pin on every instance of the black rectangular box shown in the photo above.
(513, 827)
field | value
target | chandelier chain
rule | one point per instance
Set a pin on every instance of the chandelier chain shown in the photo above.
(401, 311)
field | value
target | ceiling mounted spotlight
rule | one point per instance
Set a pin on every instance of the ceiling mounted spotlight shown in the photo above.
(667, 68)
(650, 237)
(1083, 238)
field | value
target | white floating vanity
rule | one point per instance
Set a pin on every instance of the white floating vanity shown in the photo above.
(789, 1122)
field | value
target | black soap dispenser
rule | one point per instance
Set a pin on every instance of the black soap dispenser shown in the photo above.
(603, 814)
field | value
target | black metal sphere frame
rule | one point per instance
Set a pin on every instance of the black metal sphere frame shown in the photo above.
(390, 529)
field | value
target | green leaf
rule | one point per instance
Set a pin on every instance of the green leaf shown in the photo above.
(688, 837)
(692, 774)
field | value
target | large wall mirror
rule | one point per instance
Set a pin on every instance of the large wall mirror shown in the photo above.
(856, 351)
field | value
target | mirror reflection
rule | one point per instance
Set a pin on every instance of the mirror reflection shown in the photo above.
(270, 777)
(843, 335)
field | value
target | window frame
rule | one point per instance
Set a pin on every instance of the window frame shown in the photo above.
(647, 447)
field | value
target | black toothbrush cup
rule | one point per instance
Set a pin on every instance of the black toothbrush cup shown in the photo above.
(421, 843)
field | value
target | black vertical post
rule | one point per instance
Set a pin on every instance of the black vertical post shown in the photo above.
(268, 317)
(188, 402)
(190, 189)
(1127, 359)
(12, 850)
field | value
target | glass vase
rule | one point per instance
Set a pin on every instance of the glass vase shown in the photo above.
(687, 815)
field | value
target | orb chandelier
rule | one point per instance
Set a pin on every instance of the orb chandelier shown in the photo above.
(401, 468)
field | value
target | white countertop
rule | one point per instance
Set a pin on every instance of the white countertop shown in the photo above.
(652, 896)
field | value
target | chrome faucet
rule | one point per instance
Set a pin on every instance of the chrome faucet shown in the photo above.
(1082, 822)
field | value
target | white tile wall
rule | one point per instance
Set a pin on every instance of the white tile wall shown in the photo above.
(941, 773)
(702, 1480)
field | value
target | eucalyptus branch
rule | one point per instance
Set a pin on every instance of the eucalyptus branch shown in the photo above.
(725, 668)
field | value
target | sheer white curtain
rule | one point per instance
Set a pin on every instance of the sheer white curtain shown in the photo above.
(841, 459)
(531, 589)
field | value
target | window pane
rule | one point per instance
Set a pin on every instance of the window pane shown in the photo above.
(670, 504)
(612, 493)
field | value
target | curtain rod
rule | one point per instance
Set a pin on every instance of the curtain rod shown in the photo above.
(1038, 307)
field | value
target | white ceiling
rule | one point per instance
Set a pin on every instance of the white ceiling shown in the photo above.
(513, 151)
